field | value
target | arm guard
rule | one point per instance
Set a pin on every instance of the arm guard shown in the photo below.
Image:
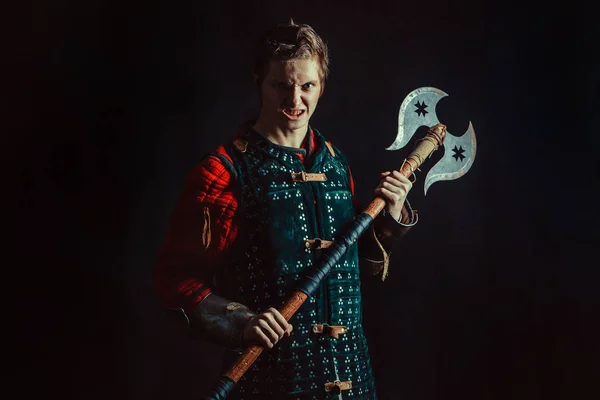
(216, 320)
(377, 244)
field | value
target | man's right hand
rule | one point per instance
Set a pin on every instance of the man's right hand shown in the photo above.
(266, 329)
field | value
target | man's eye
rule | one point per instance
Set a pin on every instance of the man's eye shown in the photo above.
(308, 86)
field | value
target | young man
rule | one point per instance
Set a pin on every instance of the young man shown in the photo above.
(257, 212)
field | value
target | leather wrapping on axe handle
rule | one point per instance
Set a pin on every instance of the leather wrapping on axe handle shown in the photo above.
(423, 149)
(222, 389)
(341, 244)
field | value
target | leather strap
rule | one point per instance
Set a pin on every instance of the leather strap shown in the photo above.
(307, 177)
(206, 233)
(330, 148)
(241, 144)
(317, 243)
(331, 330)
(337, 386)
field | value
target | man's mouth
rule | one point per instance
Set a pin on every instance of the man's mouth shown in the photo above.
(292, 113)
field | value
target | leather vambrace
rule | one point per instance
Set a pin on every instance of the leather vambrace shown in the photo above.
(216, 320)
(376, 245)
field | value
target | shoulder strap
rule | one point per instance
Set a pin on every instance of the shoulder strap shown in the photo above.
(330, 148)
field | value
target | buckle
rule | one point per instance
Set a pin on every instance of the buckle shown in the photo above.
(317, 243)
(337, 386)
(330, 330)
(307, 177)
(241, 144)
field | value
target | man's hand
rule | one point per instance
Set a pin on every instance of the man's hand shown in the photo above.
(393, 188)
(266, 329)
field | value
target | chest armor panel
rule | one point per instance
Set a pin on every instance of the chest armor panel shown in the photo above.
(277, 215)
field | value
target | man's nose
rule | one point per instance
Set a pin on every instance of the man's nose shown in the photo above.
(295, 96)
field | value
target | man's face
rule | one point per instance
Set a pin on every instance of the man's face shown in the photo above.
(290, 92)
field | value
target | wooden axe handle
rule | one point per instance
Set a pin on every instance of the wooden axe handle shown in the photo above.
(251, 353)
(423, 150)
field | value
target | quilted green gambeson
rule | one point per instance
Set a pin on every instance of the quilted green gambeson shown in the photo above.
(276, 216)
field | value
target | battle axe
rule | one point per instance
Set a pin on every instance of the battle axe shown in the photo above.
(417, 109)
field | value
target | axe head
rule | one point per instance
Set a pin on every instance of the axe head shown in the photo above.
(418, 109)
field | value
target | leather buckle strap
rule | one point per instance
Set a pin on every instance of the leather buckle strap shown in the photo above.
(317, 243)
(307, 177)
(241, 144)
(337, 386)
(331, 330)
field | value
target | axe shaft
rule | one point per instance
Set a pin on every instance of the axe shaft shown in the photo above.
(422, 151)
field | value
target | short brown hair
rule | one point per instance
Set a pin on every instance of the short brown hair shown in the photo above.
(290, 41)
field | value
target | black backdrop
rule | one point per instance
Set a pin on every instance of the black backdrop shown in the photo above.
(491, 296)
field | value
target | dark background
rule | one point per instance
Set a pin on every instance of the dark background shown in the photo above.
(110, 104)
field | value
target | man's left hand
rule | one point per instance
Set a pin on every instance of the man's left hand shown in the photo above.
(393, 188)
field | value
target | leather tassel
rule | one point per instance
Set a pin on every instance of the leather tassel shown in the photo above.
(206, 231)
(386, 257)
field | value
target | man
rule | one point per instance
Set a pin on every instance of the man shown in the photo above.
(257, 212)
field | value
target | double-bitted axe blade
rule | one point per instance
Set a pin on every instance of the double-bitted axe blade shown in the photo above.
(418, 109)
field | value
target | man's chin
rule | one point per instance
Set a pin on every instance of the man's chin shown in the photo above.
(297, 125)
(294, 124)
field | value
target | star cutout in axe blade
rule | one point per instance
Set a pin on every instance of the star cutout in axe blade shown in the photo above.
(421, 108)
(458, 153)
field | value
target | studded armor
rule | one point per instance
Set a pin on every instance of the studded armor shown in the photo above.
(281, 213)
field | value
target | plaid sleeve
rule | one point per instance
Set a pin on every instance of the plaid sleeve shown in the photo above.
(201, 228)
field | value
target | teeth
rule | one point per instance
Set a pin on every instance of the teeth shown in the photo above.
(293, 112)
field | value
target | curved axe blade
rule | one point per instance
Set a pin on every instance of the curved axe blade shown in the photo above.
(417, 110)
(459, 155)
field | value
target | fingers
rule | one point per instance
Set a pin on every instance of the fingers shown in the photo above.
(261, 338)
(394, 186)
(396, 178)
(391, 197)
(390, 194)
(280, 320)
(268, 328)
(259, 332)
(270, 331)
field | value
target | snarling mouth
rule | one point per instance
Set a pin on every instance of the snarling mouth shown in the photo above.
(291, 113)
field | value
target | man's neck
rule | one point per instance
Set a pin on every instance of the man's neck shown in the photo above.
(288, 138)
